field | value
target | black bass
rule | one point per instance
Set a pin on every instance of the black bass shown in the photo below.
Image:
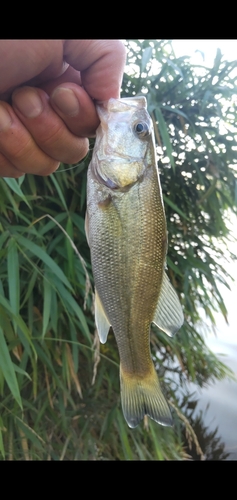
(126, 232)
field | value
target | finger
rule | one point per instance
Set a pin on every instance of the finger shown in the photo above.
(71, 75)
(7, 169)
(29, 60)
(37, 61)
(46, 127)
(75, 107)
(101, 63)
(83, 123)
(19, 148)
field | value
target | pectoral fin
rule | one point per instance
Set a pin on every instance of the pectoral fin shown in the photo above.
(168, 315)
(101, 320)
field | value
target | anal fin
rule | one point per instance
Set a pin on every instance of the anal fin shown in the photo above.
(168, 315)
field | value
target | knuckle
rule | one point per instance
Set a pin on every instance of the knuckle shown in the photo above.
(51, 137)
(77, 153)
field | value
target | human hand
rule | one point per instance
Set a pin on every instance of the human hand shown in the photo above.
(49, 119)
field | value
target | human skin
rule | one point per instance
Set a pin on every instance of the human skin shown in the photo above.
(48, 90)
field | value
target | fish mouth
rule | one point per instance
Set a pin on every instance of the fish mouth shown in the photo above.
(120, 158)
(109, 183)
(121, 182)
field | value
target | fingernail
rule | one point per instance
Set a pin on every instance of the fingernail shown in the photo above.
(5, 119)
(28, 102)
(66, 101)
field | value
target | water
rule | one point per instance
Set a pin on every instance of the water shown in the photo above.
(222, 396)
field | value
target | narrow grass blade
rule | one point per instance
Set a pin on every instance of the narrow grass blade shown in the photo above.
(60, 194)
(13, 277)
(174, 206)
(42, 255)
(124, 437)
(165, 135)
(2, 451)
(8, 369)
(14, 185)
(47, 304)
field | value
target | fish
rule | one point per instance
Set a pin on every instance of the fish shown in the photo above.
(126, 230)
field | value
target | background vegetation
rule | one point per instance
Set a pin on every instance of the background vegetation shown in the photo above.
(59, 389)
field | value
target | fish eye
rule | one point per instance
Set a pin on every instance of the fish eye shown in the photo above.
(142, 129)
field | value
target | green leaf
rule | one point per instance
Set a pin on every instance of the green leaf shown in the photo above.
(146, 55)
(206, 97)
(13, 276)
(158, 448)
(165, 135)
(236, 192)
(174, 66)
(52, 176)
(22, 372)
(8, 194)
(20, 323)
(54, 314)
(80, 222)
(51, 224)
(217, 60)
(8, 370)
(2, 450)
(15, 186)
(21, 179)
(47, 304)
(30, 286)
(31, 434)
(70, 251)
(124, 437)
(4, 236)
(70, 301)
(173, 266)
(174, 206)
(174, 110)
(42, 255)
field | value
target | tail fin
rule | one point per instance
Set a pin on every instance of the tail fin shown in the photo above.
(142, 397)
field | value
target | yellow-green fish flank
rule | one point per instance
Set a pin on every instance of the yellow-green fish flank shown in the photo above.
(126, 231)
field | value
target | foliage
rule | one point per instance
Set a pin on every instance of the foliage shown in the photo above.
(49, 351)
(209, 439)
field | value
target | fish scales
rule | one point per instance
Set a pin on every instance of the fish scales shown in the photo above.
(135, 255)
(126, 230)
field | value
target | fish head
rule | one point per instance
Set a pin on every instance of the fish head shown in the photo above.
(124, 142)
